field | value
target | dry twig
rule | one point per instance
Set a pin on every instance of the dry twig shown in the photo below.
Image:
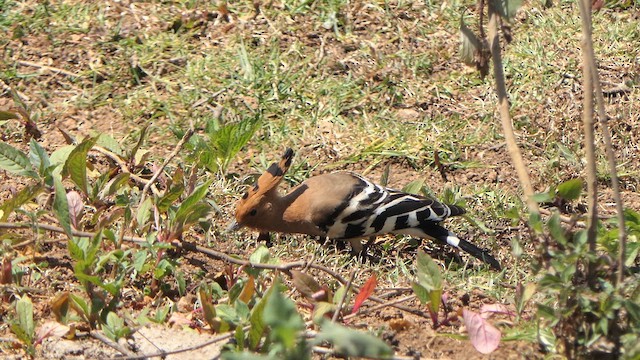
(176, 150)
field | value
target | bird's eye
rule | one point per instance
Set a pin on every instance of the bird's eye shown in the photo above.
(253, 212)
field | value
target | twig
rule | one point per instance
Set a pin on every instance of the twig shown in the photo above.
(380, 306)
(503, 106)
(99, 336)
(328, 351)
(564, 219)
(591, 70)
(176, 150)
(125, 168)
(336, 314)
(589, 139)
(163, 354)
(10, 90)
(49, 68)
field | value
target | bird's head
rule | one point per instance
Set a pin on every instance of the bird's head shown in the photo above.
(256, 201)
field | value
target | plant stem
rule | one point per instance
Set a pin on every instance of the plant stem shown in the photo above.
(503, 106)
(589, 139)
(589, 58)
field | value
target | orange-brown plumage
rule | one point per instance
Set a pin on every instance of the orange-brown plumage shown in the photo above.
(344, 205)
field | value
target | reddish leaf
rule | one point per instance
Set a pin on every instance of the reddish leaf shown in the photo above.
(365, 292)
(50, 328)
(76, 207)
(5, 273)
(484, 336)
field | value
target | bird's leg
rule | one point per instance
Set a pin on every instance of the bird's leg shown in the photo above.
(266, 237)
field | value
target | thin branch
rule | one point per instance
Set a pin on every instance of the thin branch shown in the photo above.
(49, 68)
(99, 336)
(589, 58)
(380, 306)
(163, 354)
(327, 351)
(503, 106)
(125, 168)
(176, 150)
(336, 314)
(589, 139)
(10, 90)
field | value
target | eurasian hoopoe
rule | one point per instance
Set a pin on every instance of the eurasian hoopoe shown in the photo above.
(345, 206)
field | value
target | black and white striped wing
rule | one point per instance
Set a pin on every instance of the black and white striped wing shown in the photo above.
(374, 210)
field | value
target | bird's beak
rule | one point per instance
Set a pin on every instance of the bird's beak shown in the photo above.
(233, 226)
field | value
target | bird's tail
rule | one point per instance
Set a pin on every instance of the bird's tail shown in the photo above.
(456, 210)
(448, 237)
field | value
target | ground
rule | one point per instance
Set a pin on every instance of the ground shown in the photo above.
(369, 87)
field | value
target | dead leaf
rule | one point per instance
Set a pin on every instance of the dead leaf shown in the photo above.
(400, 324)
(305, 283)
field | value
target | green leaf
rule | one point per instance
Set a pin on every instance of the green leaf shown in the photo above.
(555, 229)
(321, 309)
(229, 355)
(182, 284)
(428, 272)
(191, 200)
(80, 305)
(260, 256)
(114, 327)
(256, 319)
(61, 206)
(227, 313)
(109, 143)
(8, 115)
(15, 161)
(143, 213)
(170, 197)
(38, 157)
(429, 277)
(59, 157)
(115, 184)
(349, 342)
(421, 293)
(227, 141)
(239, 337)
(469, 45)
(76, 164)
(571, 189)
(542, 197)
(22, 197)
(24, 310)
(506, 8)
(282, 316)
(139, 259)
(414, 187)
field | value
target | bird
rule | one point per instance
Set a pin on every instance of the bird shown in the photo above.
(345, 206)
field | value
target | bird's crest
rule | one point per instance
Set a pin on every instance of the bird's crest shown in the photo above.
(266, 183)
(270, 179)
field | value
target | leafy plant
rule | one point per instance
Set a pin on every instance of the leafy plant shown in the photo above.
(580, 312)
(23, 325)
